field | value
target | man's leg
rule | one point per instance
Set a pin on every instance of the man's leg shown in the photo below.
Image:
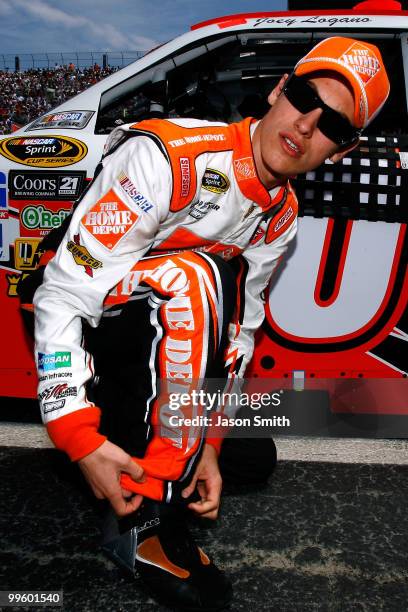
(173, 327)
(171, 330)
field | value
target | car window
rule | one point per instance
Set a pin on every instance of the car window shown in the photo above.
(229, 78)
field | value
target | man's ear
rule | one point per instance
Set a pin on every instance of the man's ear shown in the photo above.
(342, 152)
(277, 90)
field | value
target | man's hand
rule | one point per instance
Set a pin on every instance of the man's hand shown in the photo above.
(209, 485)
(102, 470)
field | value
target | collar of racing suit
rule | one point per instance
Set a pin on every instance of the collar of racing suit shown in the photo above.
(245, 168)
(236, 137)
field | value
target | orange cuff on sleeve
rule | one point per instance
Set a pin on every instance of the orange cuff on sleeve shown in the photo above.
(151, 487)
(77, 433)
(215, 443)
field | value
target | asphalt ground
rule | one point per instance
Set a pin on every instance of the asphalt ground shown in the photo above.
(329, 531)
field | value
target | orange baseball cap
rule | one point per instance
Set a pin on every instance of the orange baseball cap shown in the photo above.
(361, 64)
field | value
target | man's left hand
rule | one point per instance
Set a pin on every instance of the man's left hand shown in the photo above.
(209, 484)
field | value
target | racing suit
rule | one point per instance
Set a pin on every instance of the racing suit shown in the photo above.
(168, 203)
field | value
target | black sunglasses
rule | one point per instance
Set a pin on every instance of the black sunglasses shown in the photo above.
(331, 123)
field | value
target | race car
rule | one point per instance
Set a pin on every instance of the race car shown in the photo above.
(337, 306)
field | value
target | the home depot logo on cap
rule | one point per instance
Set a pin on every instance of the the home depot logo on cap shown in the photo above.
(362, 60)
(360, 63)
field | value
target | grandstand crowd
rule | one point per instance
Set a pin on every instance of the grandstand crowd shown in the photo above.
(24, 96)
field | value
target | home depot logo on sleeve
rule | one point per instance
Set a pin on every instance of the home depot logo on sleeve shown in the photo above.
(109, 220)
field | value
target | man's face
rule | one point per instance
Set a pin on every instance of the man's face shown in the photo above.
(288, 142)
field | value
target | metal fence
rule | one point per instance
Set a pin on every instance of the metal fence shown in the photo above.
(81, 59)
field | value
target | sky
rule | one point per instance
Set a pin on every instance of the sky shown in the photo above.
(46, 26)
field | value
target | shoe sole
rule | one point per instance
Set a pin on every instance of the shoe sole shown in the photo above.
(178, 607)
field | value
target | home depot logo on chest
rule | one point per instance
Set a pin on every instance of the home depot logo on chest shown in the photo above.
(109, 220)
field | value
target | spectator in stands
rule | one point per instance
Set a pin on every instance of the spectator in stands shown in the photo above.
(24, 96)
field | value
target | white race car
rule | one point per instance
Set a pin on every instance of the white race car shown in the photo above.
(339, 308)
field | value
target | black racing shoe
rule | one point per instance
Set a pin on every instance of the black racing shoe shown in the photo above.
(155, 542)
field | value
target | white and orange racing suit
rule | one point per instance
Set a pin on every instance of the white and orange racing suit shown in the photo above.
(173, 197)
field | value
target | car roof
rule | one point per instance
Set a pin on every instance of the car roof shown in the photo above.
(322, 21)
